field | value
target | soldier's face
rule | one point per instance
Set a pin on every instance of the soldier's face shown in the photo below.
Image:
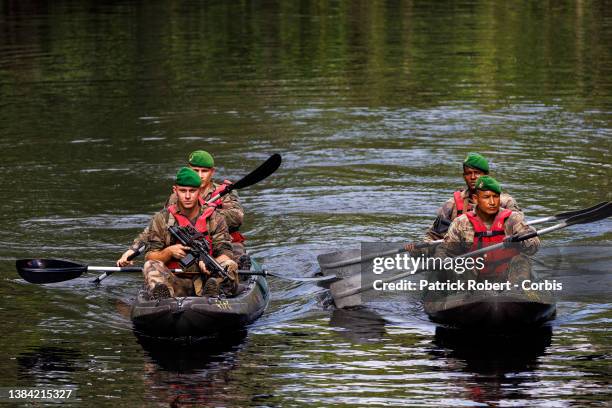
(187, 196)
(470, 175)
(487, 201)
(205, 173)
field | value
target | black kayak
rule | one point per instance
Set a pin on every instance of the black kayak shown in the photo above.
(201, 316)
(491, 310)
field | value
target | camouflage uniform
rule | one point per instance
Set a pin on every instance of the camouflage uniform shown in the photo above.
(230, 209)
(460, 238)
(448, 212)
(158, 237)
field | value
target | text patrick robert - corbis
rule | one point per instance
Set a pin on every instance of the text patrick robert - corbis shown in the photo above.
(404, 263)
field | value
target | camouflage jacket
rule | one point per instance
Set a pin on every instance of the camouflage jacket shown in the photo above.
(448, 212)
(460, 236)
(230, 209)
(158, 237)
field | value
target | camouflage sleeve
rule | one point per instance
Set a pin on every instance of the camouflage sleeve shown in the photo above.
(157, 237)
(219, 234)
(232, 211)
(140, 240)
(171, 200)
(454, 242)
(510, 203)
(441, 223)
(516, 225)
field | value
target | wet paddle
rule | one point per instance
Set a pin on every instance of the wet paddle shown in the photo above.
(341, 259)
(59, 270)
(346, 291)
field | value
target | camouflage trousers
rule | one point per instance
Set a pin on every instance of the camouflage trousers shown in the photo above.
(156, 272)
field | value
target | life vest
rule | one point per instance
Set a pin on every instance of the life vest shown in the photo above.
(237, 237)
(200, 226)
(459, 203)
(496, 261)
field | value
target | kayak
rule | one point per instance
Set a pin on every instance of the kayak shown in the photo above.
(201, 316)
(491, 310)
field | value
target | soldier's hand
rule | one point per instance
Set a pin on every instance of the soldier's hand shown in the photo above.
(230, 265)
(409, 247)
(123, 261)
(178, 251)
(202, 266)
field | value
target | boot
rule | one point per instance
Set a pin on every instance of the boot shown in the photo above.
(211, 288)
(160, 291)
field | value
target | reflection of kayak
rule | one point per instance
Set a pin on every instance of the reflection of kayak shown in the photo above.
(201, 316)
(491, 310)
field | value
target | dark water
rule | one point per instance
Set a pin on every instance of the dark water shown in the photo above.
(373, 105)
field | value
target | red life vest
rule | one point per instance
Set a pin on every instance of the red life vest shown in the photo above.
(496, 261)
(200, 226)
(236, 235)
(459, 203)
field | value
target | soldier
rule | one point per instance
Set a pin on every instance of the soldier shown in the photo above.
(461, 202)
(488, 224)
(474, 166)
(163, 253)
(229, 206)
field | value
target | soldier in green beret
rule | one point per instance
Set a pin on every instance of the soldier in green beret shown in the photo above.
(474, 166)
(488, 224)
(229, 206)
(163, 253)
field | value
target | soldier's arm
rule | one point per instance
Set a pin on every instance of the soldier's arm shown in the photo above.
(232, 211)
(441, 224)
(219, 234)
(136, 244)
(510, 203)
(517, 225)
(454, 243)
(157, 248)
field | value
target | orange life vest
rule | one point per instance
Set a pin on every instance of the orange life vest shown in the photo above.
(496, 261)
(459, 203)
(235, 234)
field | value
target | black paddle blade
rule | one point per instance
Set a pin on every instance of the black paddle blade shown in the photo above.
(599, 213)
(49, 270)
(570, 214)
(264, 170)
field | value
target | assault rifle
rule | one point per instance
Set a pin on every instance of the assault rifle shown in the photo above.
(200, 250)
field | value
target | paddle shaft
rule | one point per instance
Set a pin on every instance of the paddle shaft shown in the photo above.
(597, 214)
(357, 259)
(109, 270)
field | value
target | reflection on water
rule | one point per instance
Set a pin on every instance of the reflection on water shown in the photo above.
(189, 373)
(47, 363)
(499, 365)
(358, 325)
(373, 105)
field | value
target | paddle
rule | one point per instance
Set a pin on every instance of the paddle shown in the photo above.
(344, 292)
(109, 272)
(263, 171)
(333, 260)
(260, 173)
(59, 270)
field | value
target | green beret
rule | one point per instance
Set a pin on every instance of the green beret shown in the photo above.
(488, 183)
(188, 178)
(201, 158)
(476, 161)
